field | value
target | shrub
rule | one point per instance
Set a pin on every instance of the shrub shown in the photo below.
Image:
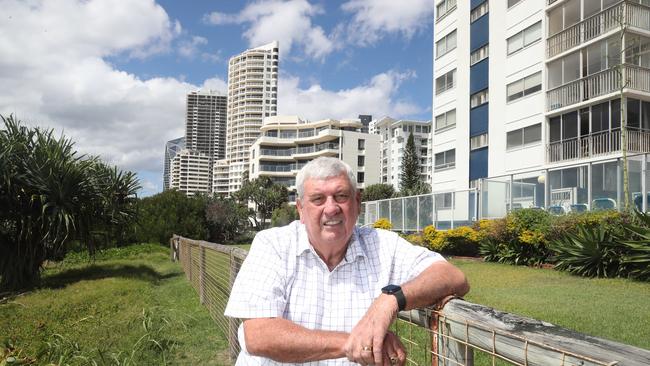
(462, 240)
(383, 223)
(591, 252)
(416, 239)
(284, 215)
(519, 238)
(429, 234)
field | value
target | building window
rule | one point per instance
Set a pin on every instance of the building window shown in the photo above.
(444, 7)
(446, 82)
(477, 142)
(360, 177)
(445, 160)
(479, 98)
(479, 55)
(478, 11)
(446, 44)
(361, 160)
(525, 38)
(444, 200)
(526, 86)
(446, 120)
(524, 136)
(361, 144)
(512, 3)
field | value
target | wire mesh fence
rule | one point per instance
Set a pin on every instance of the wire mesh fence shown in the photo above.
(461, 333)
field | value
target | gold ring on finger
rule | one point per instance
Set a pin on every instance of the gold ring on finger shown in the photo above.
(366, 348)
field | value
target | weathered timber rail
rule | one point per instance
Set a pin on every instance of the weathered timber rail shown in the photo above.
(457, 334)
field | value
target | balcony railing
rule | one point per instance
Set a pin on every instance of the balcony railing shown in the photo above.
(600, 83)
(598, 144)
(617, 16)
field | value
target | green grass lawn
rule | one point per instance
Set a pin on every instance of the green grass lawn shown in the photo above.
(133, 306)
(615, 309)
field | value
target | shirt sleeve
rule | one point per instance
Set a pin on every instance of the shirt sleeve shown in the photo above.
(259, 290)
(411, 260)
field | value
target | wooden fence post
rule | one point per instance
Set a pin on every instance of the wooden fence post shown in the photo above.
(446, 350)
(202, 274)
(189, 263)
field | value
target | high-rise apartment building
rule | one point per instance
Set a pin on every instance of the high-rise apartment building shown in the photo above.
(288, 143)
(533, 91)
(190, 172)
(172, 147)
(252, 95)
(205, 123)
(394, 135)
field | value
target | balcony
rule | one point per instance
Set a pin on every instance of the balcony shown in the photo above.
(597, 144)
(635, 15)
(595, 85)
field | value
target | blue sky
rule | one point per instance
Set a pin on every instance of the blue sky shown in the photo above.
(113, 74)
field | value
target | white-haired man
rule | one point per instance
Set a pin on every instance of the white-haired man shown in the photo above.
(323, 291)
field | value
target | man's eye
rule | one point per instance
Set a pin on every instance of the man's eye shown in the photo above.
(340, 198)
(317, 200)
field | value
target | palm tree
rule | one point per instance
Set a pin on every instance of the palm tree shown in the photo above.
(49, 196)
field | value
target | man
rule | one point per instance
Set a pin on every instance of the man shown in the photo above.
(323, 289)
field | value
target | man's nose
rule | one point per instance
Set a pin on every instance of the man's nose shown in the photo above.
(331, 207)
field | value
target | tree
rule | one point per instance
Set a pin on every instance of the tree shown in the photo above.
(50, 196)
(379, 191)
(420, 188)
(226, 219)
(284, 215)
(171, 212)
(410, 167)
(266, 196)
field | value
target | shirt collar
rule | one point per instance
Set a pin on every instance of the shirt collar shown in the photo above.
(355, 247)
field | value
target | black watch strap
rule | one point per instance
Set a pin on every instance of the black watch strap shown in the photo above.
(399, 295)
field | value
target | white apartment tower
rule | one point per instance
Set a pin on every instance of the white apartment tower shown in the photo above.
(252, 95)
(190, 172)
(287, 143)
(205, 123)
(394, 135)
(530, 92)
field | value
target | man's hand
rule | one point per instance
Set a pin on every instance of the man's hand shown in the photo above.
(394, 352)
(365, 345)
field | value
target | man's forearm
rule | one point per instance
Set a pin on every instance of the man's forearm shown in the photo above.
(438, 281)
(285, 341)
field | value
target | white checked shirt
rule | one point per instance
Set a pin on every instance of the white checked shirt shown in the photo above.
(283, 276)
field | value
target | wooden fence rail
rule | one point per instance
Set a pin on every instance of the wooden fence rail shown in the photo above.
(461, 333)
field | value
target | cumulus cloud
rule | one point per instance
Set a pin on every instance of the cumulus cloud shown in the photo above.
(53, 73)
(374, 19)
(190, 47)
(288, 22)
(379, 97)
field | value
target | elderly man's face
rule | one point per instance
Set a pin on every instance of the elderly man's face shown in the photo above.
(329, 209)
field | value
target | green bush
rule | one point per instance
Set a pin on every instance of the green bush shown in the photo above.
(172, 212)
(519, 238)
(591, 252)
(284, 215)
(383, 223)
(462, 240)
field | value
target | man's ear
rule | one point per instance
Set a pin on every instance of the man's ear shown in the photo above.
(299, 208)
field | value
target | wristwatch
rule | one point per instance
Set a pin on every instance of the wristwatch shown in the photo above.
(397, 292)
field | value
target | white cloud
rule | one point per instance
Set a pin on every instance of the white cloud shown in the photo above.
(190, 47)
(373, 19)
(288, 22)
(54, 74)
(379, 97)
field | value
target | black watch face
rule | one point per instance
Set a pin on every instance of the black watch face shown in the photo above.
(391, 289)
